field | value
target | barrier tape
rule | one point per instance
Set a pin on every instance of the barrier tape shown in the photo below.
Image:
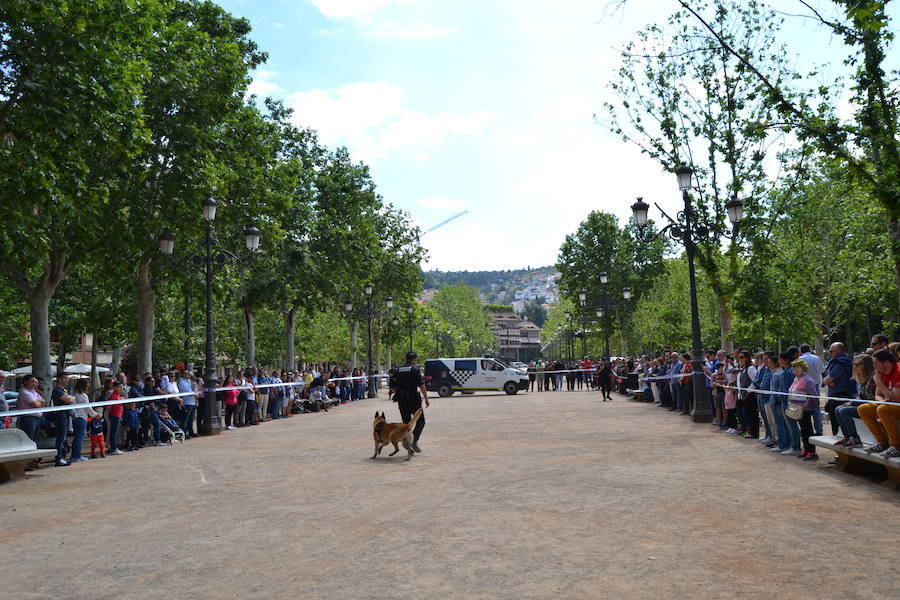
(773, 393)
(142, 399)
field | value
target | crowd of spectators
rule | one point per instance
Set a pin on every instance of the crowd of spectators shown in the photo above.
(775, 398)
(142, 418)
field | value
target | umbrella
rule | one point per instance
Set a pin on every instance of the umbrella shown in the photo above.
(82, 369)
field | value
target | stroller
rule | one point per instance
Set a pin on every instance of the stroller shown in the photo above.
(169, 431)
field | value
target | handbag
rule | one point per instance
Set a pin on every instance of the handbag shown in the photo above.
(794, 411)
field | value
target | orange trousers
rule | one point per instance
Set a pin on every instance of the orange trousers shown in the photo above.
(881, 419)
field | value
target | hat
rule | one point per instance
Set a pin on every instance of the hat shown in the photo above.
(411, 355)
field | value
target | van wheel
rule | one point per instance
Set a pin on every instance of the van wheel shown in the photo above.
(444, 391)
(510, 388)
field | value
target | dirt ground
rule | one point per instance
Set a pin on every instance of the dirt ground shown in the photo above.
(553, 495)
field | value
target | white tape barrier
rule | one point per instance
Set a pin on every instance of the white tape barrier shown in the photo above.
(143, 399)
(773, 393)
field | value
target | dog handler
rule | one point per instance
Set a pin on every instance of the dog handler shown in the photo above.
(407, 383)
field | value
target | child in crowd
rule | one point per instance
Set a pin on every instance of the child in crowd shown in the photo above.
(97, 440)
(131, 421)
(166, 417)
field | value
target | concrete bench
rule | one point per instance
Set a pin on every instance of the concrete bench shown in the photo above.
(16, 451)
(857, 460)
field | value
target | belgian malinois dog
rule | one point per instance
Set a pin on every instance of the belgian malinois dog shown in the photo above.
(394, 433)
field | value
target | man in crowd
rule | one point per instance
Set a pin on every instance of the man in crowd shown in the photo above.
(189, 404)
(839, 379)
(60, 396)
(881, 419)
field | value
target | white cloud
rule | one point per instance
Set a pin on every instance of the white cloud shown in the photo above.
(262, 85)
(442, 203)
(417, 31)
(278, 24)
(371, 119)
(353, 9)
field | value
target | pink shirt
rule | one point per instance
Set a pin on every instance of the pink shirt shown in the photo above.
(29, 399)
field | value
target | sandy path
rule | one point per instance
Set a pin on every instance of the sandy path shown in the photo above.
(553, 495)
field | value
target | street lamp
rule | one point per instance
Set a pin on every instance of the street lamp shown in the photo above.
(626, 293)
(368, 289)
(390, 305)
(211, 416)
(683, 230)
(569, 339)
(348, 308)
(604, 279)
(582, 299)
(450, 340)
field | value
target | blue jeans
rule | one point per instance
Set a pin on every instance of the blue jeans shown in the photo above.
(845, 415)
(676, 397)
(187, 420)
(345, 393)
(762, 401)
(79, 426)
(817, 421)
(113, 440)
(30, 425)
(61, 424)
(779, 404)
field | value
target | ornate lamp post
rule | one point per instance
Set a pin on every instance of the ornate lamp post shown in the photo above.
(683, 229)
(426, 320)
(450, 340)
(604, 279)
(390, 306)
(582, 299)
(569, 341)
(211, 417)
(368, 289)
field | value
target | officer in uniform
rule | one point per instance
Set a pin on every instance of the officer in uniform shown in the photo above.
(406, 386)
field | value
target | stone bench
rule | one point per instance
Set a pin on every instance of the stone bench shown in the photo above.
(16, 451)
(637, 395)
(857, 460)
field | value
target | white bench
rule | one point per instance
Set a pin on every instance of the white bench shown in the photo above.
(637, 395)
(16, 451)
(854, 460)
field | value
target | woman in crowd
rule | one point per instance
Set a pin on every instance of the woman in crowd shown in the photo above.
(805, 392)
(114, 413)
(80, 417)
(864, 375)
(776, 413)
(230, 399)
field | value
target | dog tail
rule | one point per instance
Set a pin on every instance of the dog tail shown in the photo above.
(412, 422)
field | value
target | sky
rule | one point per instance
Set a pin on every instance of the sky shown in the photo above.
(478, 105)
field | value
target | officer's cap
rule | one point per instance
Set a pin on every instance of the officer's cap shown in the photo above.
(411, 355)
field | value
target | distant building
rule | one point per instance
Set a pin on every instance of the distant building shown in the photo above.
(518, 339)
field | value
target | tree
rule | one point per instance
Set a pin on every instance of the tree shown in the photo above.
(535, 312)
(683, 99)
(194, 107)
(866, 30)
(460, 308)
(70, 75)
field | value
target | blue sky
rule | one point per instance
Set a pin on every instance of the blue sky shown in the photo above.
(483, 106)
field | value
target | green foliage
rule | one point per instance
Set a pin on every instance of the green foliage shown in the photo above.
(459, 308)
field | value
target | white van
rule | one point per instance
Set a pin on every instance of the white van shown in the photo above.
(448, 375)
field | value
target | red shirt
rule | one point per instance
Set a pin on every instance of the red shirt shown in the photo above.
(115, 410)
(892, 379)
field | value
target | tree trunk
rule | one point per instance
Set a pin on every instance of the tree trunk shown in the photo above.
(146, 301)
(94, 350)
(725, 325)
(894, 231)
(377, 335)
(353, 333)
(116, 359)
(250, 339)
(39, 313)
(290, 318)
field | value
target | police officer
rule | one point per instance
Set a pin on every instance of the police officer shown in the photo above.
(406, 385)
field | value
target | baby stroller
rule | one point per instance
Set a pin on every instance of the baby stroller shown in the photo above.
(169, 431)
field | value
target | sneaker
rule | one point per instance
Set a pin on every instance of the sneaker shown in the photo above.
(876, 448)
(811, 456)
(842, 442)
(731, 431)
(79, 459)
(116, 452)
(746, 435)
(62, 463)
(776, 449)
(790, 452)
(765, 440)
(891, 452)
(853, 444)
